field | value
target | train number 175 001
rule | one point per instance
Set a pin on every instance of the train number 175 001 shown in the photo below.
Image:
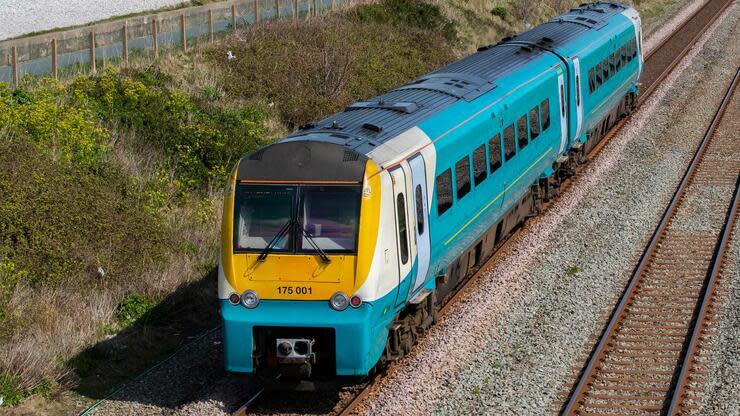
(294, 290)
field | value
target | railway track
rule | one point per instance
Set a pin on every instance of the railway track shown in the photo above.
(646, 361)
(658, 65)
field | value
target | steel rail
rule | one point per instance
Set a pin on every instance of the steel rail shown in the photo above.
(587, 374)
(721, 249)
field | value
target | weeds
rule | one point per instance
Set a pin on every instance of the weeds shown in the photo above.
(132, 308)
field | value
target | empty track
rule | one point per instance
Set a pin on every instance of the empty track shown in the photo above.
(645, 361)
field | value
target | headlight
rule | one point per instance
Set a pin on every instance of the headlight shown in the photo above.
(339, 301)
(250, 299)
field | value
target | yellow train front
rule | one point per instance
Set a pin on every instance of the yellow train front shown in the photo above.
(299, 236)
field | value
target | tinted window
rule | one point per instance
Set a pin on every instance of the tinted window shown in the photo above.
(262, 214)
(545, 106)
(612, 64)
(521, 127)
(624, 53)
(403, 240)
(562, 100)
(578, 90)
(462, 177)
(605, 67)
(618, 57)
(330, 216)
(479, 164)
(494, 153)
(534, 123)
(419, 210)
(629, 51)
(444, 191)
(598, 75)
(634, 48)
(591, 80)
(509, 145)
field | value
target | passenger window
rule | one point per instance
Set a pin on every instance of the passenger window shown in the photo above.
(578, 90)
(419, 210)
(545, 106)
(598, 75)
(509, 145)
(479, 165)
(612, 64)
(494, 153)
(444, 191)
(562, 100)
(591, 81)
(462, 177)
(634, 48)
(403, 240)
(618, 57)
(534, 122)
(521, 127)
(605, 67)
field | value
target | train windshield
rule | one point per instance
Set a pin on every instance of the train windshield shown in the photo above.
(297, 218)
(261, 213)
(329, 216)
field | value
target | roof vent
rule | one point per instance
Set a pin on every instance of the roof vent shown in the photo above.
(335, 125)
(372, 127)
(401, 106)
(350, 156)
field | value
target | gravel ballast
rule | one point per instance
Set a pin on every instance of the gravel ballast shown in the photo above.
(510, 347)
(23, 16)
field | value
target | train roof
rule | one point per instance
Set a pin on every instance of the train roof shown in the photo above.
(363, 126)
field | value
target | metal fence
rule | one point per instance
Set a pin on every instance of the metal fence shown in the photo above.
(84, 49)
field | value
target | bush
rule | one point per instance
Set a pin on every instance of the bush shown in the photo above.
(200, 140)
(312, 69)
(500, 11)
(407, 13)
(132, 308)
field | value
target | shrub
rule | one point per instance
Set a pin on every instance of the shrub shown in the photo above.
(201, 141)
(407, 13)
(132, 308)
(500, 11)
(312, 69)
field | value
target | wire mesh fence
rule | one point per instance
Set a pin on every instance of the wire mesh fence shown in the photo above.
(86, 49)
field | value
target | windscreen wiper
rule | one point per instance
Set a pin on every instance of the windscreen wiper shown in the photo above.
(316, 247)
(274, 241)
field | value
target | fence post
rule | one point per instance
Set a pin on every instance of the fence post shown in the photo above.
(124, 37)
(14, 65)
(315, 8)
(233, 17)
(256, 11)
(210, 24)
(155, 42)
(295, 9)
(277, 9)
(93, 65)
(54, 58)
(183, 35)
(333, 4)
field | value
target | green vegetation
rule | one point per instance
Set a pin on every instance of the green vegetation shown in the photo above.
(407, 13)
(132, 308)
(311, 70)
(572, 271)
(500, 11)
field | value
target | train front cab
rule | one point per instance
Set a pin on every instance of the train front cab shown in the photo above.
(298, 239)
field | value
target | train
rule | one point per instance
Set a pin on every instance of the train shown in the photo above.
(340, 241)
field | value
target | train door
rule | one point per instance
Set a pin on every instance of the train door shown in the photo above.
(421, 217)
(404, 233)
(579, 99)
(561, 109)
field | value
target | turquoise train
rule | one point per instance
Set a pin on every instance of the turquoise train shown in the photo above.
(341, 241)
